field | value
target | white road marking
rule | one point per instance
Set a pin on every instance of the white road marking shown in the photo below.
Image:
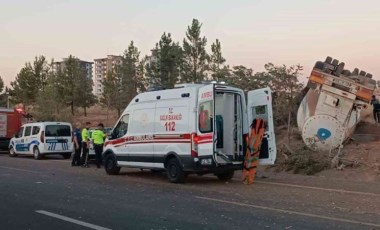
(71, 220)
(290, 212)
(319, 188)
(309, 187)
(17, 169)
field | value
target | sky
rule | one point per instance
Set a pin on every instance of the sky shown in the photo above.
(252, 32)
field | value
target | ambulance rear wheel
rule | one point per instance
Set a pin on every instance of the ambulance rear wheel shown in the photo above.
(175, 172)
(36, 153)
(110, 165)
(12, 152)
(226, 176)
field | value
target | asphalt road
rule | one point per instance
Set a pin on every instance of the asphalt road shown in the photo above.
(50, 194)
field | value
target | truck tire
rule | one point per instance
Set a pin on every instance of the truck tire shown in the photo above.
(175, 172)
(110, 165)
(12, 152)
(66, 155)
(36, 153)
(339, 68)
(328, 60)
(226, 176)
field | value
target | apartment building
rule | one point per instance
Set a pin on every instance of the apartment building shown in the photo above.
(102, 67)
(85, 65)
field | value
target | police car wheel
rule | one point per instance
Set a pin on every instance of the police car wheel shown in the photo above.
(175, 172)
(110, 165)
(36, 153)
(226, 176)
(12, 152)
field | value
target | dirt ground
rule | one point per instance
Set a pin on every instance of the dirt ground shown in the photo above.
(97, 114)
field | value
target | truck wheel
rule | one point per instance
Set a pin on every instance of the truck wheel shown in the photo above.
(226, 176)
(66, 155)
(175, 172)
(110, 165)
(36, 153)
(12, 152)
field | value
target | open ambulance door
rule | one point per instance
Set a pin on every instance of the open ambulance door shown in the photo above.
(205, 124)
(259, 105)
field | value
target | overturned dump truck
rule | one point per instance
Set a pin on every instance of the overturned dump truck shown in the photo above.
(332, 105)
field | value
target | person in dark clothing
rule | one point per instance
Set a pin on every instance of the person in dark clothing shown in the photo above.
(376, 108)
(77, 145)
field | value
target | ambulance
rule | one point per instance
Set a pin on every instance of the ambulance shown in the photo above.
(193, 128)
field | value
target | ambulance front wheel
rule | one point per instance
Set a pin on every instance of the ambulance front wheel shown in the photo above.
(175, 172)
(110, 165)
(226, 176)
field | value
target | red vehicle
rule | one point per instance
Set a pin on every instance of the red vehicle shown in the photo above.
(10, 122)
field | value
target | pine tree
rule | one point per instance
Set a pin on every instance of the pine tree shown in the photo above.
(75, 87)
(131, 81)
(29, 81)
(194, 63)
(163, 66)
(219, 71)
(111, 96)
(83, 92)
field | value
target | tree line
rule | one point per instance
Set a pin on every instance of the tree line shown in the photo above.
(170, 62)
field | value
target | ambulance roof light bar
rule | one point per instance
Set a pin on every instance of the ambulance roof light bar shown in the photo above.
(214, 82)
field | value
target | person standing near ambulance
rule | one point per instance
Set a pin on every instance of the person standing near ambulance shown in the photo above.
(77, 145)
(98, 137)
(85, 144)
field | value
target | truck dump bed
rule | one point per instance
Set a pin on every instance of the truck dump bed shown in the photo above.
(330, 110)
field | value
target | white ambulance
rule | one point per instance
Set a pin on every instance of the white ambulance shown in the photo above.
(193, 128)
(43, 138)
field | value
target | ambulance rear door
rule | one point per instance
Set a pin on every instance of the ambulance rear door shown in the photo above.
(205, 123)
(259, 105)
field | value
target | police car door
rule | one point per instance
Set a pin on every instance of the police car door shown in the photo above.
(259, 105)
(205, 123)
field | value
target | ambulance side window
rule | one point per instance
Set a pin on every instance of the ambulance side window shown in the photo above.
(121, 128)
(205, 116)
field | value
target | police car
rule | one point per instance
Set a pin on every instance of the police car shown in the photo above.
(43, 138)
(193, 128)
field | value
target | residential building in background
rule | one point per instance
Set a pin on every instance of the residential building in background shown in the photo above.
(85, 65)
(102, 67)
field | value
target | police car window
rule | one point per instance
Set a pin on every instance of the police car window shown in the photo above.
(20, 131)
(205, 116)
(28, 130)
(122, 127)
(35, 130)
(57, 131)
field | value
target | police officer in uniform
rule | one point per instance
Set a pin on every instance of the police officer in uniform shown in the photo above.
(77, 145)
(98, 137)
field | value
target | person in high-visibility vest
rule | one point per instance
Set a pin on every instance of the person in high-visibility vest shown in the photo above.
(253, 150)
(85, 144)
(98, 137)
